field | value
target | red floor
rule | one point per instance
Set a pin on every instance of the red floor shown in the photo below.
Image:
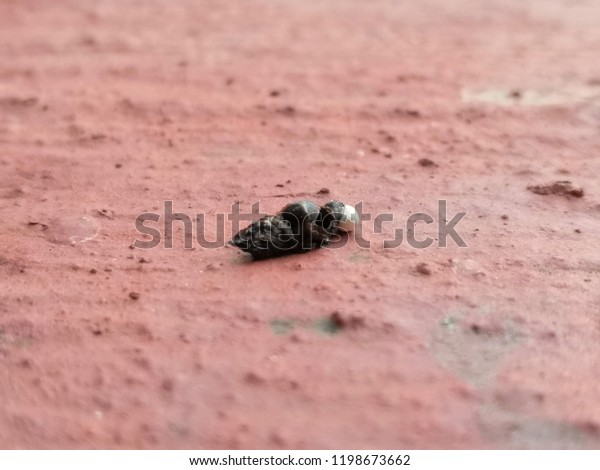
(110, 108)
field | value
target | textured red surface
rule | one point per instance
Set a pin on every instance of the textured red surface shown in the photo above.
(109, 108)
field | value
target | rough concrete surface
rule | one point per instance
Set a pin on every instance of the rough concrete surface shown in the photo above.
(109, 108)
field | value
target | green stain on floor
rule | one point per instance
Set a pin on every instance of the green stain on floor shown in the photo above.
(282, 326)
(450, 322)
(474, 350)
(326, 326)
(359, 257)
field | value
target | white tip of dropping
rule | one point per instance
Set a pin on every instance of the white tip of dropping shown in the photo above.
(349, 219)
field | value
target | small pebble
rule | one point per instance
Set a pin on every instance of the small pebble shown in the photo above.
(426, 162)
(422, 268)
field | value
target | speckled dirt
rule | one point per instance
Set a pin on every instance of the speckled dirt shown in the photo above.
(108, 108)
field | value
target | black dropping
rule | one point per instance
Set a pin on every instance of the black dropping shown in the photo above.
(299, 227)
